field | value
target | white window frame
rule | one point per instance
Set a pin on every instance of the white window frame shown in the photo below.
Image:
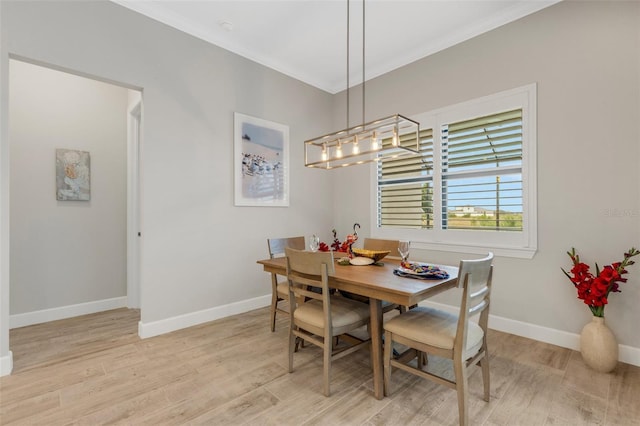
(510, 244)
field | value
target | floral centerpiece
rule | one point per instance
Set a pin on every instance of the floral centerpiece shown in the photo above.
(344, 246)
(594, 290)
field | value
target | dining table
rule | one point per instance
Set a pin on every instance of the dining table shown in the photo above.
(379, 283)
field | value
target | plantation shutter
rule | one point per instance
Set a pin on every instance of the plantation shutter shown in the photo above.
(491, 141)
(405, 188)
(482, 173)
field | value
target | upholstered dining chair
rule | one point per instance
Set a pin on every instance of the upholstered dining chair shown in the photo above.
(280, 289)
(322, 316)
(456, 337)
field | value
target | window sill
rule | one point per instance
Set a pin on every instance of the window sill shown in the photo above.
(516, 252)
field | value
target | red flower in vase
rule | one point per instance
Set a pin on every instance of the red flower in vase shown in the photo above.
(594, 290)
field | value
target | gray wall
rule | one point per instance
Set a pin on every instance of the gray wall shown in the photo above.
(198, 250)
(585, 58)
(65, 252)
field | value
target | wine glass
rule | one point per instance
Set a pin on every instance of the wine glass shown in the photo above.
(314, 243)
(403, 249)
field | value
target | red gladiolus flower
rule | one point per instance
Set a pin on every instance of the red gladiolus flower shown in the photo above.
(594, 290)
(609, 274)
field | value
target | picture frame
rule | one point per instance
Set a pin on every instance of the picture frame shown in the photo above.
(73, 175)
(261, 162)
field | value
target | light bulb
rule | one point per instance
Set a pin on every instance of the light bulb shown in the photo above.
(324, 153)
(394, 140)
(356, 149)
(375, 143)
(339, 150)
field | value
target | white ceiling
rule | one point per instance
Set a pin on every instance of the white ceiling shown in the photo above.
(307, 39)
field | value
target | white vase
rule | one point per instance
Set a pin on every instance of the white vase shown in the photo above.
(598, 346)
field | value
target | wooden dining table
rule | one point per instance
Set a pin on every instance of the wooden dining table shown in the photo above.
(378, 283)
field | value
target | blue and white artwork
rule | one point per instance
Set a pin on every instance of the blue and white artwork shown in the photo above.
(261, 162)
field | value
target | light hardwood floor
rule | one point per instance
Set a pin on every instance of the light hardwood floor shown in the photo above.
(94, 370)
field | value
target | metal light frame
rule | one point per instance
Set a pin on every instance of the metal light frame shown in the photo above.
(391, 137)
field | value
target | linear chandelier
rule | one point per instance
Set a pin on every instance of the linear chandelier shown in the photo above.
(390, 137)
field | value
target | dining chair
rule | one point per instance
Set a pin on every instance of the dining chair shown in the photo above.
(392, 247)
(379, 245)
(382, 245)
(280, 289)
(431, 331)
(322, 316)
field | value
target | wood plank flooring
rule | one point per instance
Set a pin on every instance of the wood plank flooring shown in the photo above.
(94, 370)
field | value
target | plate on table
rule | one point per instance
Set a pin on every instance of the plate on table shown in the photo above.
(420, 269)
(361, 261)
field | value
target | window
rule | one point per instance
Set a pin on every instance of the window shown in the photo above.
(473, 184)
(405, 188)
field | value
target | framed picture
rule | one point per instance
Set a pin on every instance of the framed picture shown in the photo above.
(261, 162)
(73, 175)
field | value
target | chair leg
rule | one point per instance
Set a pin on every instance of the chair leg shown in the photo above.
(461, 389)
(388, 346)
(293, 346)
(327, 349)
(274, 305)
(484, 364)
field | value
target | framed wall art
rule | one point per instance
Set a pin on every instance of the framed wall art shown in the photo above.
(261, 162)
(73, 175)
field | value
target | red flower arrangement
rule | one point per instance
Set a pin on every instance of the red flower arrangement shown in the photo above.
(594, 290)
(345, 246)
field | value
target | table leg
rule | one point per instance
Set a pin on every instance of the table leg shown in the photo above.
(375, 307)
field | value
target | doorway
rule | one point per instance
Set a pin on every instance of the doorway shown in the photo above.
(72, 257)
(134, 133)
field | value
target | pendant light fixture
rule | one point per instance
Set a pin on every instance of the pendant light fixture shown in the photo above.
(390, 137)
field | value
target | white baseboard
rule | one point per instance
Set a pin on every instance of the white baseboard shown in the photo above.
(626, 354)
(53, 314)
(155, 328)
(6, 364)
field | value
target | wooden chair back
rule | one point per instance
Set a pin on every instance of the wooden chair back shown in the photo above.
(308, 269)
(384, 245)
(475, 279)
(280, 290)
(277, 245)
